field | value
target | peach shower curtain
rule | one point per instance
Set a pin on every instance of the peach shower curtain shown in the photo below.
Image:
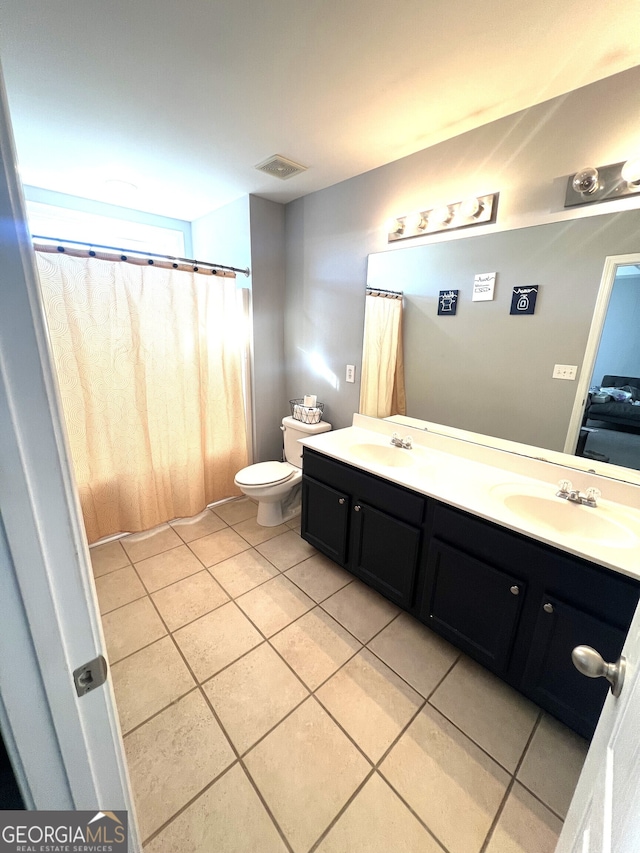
(382, 379)
(150, 371)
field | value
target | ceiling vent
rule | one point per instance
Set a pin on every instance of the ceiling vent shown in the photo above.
(280, 167)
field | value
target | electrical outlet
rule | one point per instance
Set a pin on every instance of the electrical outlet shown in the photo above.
(351, 373)
(565, 371)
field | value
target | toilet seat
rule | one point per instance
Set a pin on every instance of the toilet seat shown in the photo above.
(265, 474)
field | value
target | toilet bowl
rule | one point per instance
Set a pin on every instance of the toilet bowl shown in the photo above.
(276, 486)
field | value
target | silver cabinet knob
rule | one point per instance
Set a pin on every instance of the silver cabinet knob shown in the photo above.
(548, 607)
(356, 508)
(340, 500)
(514, 590)
(590, 663)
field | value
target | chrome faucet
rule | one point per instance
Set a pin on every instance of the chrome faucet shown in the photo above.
(566, 491)
(407, 442)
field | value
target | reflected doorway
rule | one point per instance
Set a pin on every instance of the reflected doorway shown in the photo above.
(610, 426)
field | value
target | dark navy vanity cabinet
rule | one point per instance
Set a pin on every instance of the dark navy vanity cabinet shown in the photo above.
(515, 605)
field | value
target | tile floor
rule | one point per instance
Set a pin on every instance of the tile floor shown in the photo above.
(270, 702)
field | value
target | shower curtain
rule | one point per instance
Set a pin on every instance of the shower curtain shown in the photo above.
(382, 380)
(150, 371)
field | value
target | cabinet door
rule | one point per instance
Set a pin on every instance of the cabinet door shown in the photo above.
(550, 677)
(472, 604)
(325, 518)
(384, 552)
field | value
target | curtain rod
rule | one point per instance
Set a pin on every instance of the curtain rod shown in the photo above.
(55, 244)
(390, 294)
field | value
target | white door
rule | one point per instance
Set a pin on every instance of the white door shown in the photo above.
(66, 750)
(604, 816)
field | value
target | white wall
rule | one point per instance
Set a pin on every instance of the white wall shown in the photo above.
(619, 351)
(526, 157)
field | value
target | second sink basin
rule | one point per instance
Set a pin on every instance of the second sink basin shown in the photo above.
(608, 525)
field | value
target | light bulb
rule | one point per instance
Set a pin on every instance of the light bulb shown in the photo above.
(470, 208)
(395, 226)
(416, 222)
(585, 181)
(631, 173)
(441, 215)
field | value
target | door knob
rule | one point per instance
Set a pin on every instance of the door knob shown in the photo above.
(548, 607)
(340, 500)
(590, 663)
(514, 590)
(356, 508)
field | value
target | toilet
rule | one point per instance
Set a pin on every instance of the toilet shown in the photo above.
(276, 485)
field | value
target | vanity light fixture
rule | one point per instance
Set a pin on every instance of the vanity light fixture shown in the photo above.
(447, 217)
(604, 183)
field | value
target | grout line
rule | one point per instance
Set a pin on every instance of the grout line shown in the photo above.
(120, 606)
(328, 829)
(183, 808)
(160, 711)
(413, 811)
(507, 793)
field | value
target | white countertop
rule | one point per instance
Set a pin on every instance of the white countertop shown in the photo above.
(476, 479)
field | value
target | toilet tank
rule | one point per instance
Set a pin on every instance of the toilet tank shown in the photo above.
(294, 430)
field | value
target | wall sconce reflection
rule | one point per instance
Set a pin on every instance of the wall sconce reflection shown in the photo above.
(604, 183)
(447, 217)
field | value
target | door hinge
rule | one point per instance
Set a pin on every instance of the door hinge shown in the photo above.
(91, 675)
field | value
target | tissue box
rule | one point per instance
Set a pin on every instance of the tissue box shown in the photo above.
(306, 414)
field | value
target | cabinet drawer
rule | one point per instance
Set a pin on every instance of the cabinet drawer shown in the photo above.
(402, 504)
(473, 604)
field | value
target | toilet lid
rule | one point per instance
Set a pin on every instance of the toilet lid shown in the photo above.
(263, 473)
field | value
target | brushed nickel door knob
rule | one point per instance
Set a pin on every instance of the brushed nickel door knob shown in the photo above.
(591, 663)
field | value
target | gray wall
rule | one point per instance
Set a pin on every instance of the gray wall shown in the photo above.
(249, 232)
(619, 351)
(483, 369)
(526, 157)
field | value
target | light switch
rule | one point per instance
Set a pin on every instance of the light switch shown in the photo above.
(565, 371)
(351, 373)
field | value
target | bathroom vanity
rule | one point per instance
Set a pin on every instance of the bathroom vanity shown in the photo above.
(433, 532)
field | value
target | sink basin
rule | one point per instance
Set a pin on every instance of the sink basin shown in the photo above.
(605, 524)
(385, 455)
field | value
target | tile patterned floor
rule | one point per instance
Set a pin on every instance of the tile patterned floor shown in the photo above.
(271, 702)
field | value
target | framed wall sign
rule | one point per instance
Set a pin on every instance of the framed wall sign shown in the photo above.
(483, 287)
(523, 300)
(447, 303)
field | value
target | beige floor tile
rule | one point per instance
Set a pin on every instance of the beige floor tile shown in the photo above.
(118, 588)
(233, 512)
(306, 770)
(274, 605)
(454, 787)
(218, 546)
(202, 524)
(130, 628)
(414, 652)
(361, 610)
(319, 577)
(174, 756)
(186, 600)
(148, 681)
(243, 572)
(227, 818)
(255, 533)
(487, 710)
(139, 546)
(377, 821)
(216, 640)
(525, 826)
(552, 764)
(286, 550)
(294, 524)
(168, 567)
(107, 558)
(315, 646)
(371, 703)
(254, 694)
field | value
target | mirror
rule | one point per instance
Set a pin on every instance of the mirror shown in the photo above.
(484, 370)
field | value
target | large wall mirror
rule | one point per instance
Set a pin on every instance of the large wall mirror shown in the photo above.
(490, 372)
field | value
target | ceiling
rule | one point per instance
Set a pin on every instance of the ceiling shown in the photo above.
(183, 99)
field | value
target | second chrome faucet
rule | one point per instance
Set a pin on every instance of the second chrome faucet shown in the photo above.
(566, 491)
